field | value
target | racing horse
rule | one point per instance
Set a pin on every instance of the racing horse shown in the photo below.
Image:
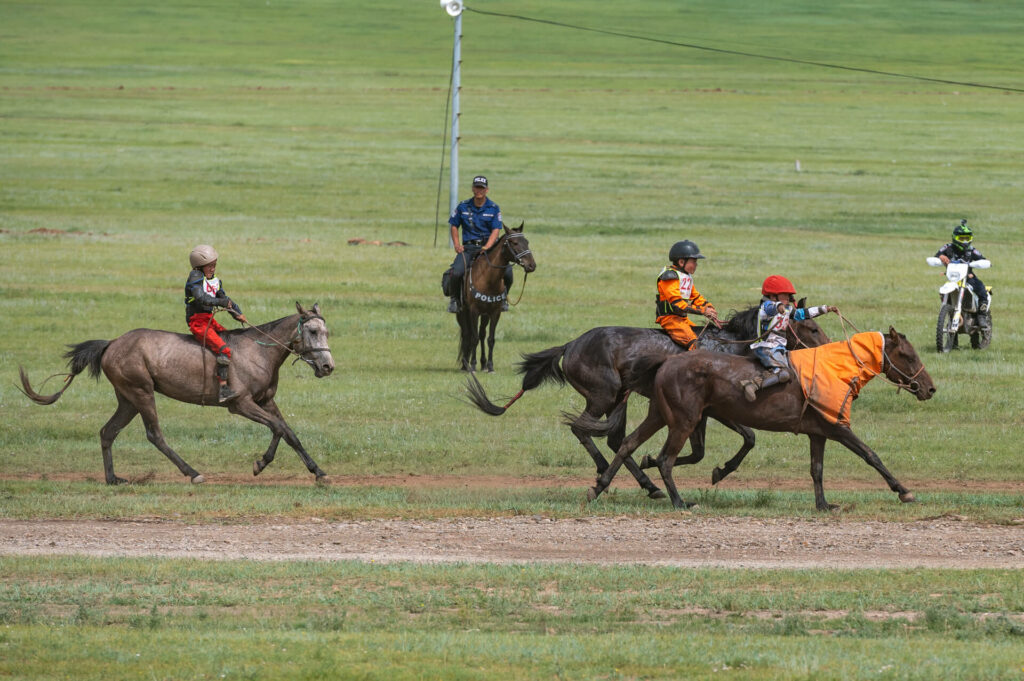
(145, 361)
(686, 388)
(595, 365)
(483, 292)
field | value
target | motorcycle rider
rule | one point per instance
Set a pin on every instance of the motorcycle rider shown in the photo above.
(961, 248)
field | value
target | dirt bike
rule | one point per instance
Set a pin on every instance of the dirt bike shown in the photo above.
(959, 312)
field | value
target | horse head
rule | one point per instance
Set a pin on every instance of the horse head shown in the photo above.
(311, 340)
(904, 367)
(518, 248)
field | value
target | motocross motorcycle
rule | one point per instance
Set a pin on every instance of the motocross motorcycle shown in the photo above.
(959, 312)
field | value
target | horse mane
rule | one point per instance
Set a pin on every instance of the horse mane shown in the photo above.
(743, 324)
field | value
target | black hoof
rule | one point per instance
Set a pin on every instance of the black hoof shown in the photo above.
(716, 476)
(655, 494)
(257, 467)
(648, 462)
(322, 479)
(592, 494)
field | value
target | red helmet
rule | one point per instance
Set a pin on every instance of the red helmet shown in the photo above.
(776, 284)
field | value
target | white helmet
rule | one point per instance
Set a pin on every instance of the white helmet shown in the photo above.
(202, 255)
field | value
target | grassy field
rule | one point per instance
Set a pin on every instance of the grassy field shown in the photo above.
(279, 131)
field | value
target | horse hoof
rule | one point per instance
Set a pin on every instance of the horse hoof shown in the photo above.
(592, 494)
(647, 462)
(198, 479)
(322, 479)
(655, 494)
(907, 498)
(716, 476)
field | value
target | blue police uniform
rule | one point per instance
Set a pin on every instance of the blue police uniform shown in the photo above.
(476, 225)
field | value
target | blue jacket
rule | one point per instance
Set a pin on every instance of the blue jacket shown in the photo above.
(476, 223)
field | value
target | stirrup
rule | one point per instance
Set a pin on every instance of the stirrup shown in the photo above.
(226, 393)
(453, 305)
(504, 304)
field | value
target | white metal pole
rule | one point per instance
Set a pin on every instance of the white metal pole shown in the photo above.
(453, 196)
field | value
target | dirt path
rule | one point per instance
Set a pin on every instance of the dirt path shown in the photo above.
(686, 541)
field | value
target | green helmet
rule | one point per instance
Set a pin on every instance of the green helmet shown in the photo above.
(962, 237)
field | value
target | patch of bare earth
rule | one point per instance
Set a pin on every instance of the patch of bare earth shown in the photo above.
(687, 541)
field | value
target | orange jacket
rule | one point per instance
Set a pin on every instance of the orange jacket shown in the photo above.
(675, 293)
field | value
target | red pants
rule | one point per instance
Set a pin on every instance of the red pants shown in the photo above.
(204, 327)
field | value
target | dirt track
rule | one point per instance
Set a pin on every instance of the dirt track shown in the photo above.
(688, 541)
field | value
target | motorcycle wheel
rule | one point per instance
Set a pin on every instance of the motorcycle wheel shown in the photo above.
(981, 339)
(945, 338)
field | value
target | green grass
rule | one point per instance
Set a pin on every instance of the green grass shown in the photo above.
(126, 618)
(278, 131)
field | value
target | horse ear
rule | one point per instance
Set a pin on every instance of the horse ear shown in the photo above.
(520, 227)
(301, 310)
(802, 302)
(504, 227)
(316, 308)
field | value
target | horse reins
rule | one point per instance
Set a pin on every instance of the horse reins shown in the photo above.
(298, 336)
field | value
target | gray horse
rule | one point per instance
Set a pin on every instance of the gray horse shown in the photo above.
(145, 361)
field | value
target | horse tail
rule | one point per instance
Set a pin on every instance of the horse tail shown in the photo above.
(594, 426)
(538, 367)
(84, 355)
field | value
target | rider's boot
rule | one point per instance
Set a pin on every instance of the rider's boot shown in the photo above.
(504, 304)
(226, 393)
(455, 287)
(750, 387)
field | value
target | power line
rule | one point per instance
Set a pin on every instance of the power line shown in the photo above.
(738, 53)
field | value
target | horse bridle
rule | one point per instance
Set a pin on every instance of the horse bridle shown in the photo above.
(517, 258)
(911, 385)
(301, 354)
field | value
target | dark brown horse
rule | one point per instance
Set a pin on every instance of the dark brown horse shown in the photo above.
(687, 387)
(483, 292)
(145, 361)
(595, 365)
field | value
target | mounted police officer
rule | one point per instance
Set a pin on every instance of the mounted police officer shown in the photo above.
(480, 221)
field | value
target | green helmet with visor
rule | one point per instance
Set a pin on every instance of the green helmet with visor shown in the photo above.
(962, 237)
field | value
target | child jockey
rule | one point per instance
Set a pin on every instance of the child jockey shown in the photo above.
(677, 297)
(777, 310)
(203, 293)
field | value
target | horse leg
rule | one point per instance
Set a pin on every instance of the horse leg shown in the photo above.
(245, 406)
(650, 425)
(614, 441)
(846, 438)
(817, 468)
(697, 439)
(493, 323)
(732, 464)
(124, 414)
(146, 404)
(257, 467)
(667, 460)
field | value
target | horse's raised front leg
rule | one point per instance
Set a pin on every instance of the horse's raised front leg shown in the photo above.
(257, 467)
(146, 404)
(732, 464)
(846, 437)
(245, 406)
(126, 411)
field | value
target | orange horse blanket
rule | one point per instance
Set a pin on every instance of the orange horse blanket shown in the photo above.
(831, 375)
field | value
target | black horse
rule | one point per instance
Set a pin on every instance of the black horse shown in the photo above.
(597, 364)
(483, 292)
